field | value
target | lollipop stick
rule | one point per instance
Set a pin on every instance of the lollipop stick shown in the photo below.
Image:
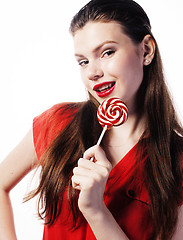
(100, 139)
(102, 135)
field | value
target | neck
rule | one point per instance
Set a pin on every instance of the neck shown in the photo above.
(128, 133)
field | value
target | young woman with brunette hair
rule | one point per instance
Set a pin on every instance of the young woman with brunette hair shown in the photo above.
(133, 188)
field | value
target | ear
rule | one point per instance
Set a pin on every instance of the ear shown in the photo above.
(149, 49)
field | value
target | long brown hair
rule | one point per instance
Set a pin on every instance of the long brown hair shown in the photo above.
(61, 156)
(163, 170)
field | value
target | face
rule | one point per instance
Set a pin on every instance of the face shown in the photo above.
(111, 64)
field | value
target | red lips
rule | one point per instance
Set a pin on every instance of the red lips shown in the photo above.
(105, 88)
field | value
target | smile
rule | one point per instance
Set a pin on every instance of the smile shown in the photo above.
(104, 89)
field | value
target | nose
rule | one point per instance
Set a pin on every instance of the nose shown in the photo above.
(94, 71)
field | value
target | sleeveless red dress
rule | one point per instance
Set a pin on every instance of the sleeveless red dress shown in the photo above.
(126, 199)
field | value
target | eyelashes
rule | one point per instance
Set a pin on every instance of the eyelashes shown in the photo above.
(83, 63)
(108, 53)
(105, 54)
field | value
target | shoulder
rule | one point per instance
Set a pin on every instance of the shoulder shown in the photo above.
(60, 114)
(58, 110)
(51, 122)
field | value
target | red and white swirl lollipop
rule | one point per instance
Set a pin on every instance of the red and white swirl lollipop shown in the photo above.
(112, 112)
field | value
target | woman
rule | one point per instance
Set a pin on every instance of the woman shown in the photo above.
(133, 188)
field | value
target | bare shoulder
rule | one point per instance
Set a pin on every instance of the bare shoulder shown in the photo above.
(21, 160)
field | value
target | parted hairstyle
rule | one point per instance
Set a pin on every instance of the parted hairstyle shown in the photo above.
(163, 174)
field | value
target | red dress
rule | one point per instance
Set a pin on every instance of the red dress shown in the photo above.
(125, 197)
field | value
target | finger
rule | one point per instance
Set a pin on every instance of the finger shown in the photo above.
(83, 171)
(99, 155)
(75, 182)
(97, 174)
(91, 169)
(82, 182)
(86, 164)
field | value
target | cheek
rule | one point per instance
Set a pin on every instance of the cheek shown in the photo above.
(83, 78)
(127, 68)
(86, 83)
(137, 71)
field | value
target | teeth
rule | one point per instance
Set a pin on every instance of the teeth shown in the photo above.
(105, 87)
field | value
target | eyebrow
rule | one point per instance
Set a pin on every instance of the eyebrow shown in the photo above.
(97, 48)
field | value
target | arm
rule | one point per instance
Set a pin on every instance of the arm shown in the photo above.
(15, 166)
(90, 178)
(179, 229)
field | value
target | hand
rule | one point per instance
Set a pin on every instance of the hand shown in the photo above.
(90, 178)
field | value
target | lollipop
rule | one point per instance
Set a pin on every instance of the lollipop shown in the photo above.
(112, 112)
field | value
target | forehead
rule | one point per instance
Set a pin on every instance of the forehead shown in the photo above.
(94, 33)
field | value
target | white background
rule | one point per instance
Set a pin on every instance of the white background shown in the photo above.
(37, 70)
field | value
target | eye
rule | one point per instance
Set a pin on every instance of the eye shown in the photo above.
(83, 63)
(108, 53)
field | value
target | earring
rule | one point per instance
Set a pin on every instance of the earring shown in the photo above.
(147, 61)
